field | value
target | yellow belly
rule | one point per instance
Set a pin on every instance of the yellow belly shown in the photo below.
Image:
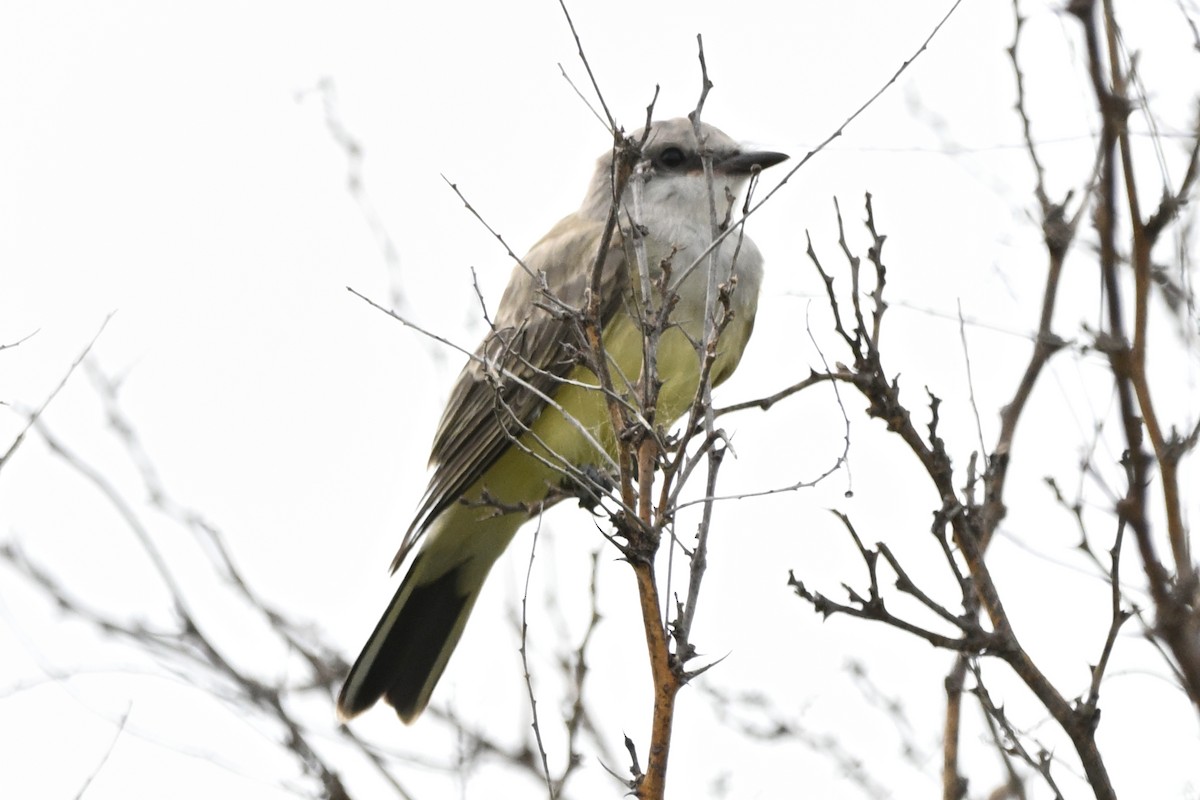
(519, 477)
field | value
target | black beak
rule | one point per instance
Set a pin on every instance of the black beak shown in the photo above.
(746, 163)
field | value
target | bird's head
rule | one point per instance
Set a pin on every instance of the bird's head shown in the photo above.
(671, 173)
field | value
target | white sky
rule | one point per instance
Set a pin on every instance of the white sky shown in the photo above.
(171, 163)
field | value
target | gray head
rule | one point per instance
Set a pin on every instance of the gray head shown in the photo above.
(673, 172)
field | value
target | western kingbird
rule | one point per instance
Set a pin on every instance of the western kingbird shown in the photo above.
(526, 419)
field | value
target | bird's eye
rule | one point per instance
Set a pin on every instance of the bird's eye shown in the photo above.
(671, 158)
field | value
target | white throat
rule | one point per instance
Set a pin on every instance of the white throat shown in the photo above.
(676, 212)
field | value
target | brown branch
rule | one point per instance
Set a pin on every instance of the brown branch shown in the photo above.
(1143, 280)
(883, 395)
(954, 785)
(1010, 741)
(1174, 596)
(667, 668)
(666, 685)
(1118, 617)
(1058, 233)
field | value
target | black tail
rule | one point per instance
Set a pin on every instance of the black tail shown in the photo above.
(411, 645)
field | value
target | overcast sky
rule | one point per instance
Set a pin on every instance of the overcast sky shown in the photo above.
(173, 164)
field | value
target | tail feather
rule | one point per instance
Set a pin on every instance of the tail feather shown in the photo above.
(400, 660)
(412, 643)
(429, 627)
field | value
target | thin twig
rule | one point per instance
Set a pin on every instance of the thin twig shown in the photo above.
(524, 651)
(36, 414)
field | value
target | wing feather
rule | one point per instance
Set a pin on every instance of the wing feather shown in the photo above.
(485, 412)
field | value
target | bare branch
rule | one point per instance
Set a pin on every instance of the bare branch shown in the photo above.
(36, 414)
(524, 651)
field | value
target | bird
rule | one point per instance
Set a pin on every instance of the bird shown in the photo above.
(526, 421)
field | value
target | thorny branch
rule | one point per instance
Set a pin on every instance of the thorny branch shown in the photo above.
(1174, 588)
(963, 516)
(972, 517)
(184, 647)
